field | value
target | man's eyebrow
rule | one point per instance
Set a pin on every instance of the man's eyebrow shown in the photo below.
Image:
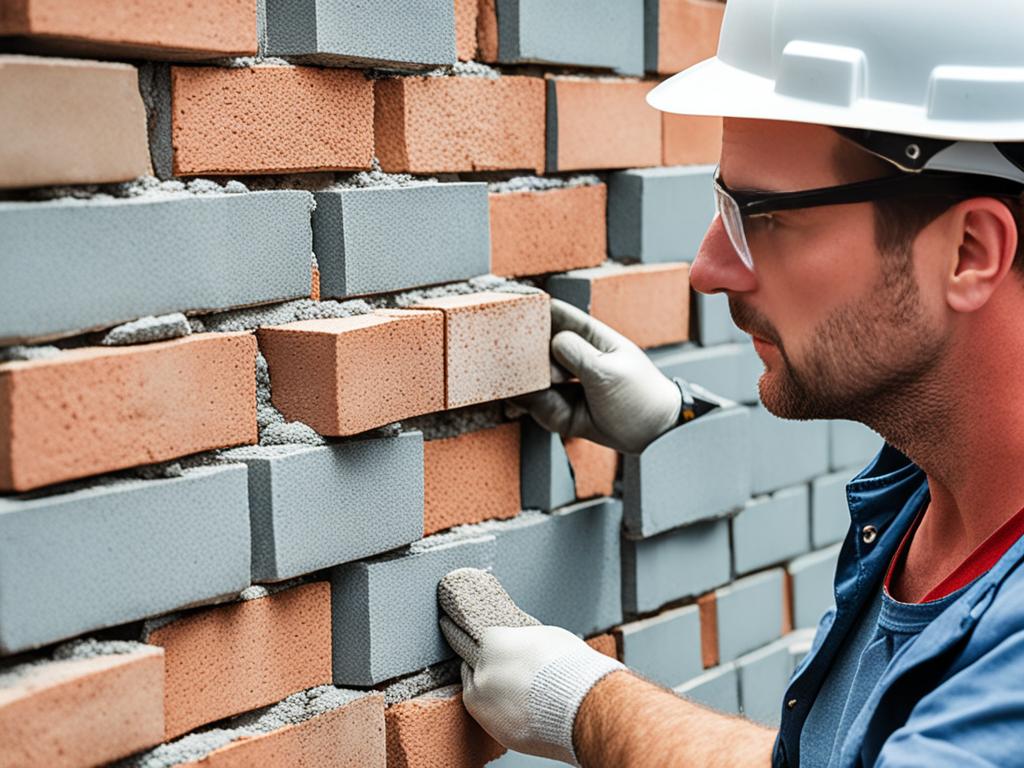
(752, 190)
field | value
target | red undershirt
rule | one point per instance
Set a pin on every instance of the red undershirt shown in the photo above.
(982, 559)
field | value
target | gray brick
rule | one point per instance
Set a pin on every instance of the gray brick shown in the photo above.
(830, 513)
(713, 321)
(750, 613)
(763, 677)
(664, 648)
(681, 563)
(563, 568)
(546, 480)
(659, 214)
(851, 444)
(751, 368)
(340, 32)
(813, 582)
(589, 33)
(572, 287)
(383, 239)
(73, 265)
(714, 368)
(118, 552)
(693, 472)
(717, 688)
(771, 529)
(314, 507)
(384, 611)
(786, 452)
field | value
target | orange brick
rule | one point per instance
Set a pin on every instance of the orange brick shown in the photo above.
(496, 345)
(471, 478)
(601, 124)
(270, 119)
(593, 467)
(232, 658)
(70, 122)
(435, 730)
(465, 29)
(83, 712)
(687, 32)
(460, 124)
(100, 409)
(689, 140)
(551, 231)
(605, 644)
(487, 31)
(148, 29)
(708, 611)
(351, 736)
(345, 376)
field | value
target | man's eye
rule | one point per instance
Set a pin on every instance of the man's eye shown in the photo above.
(764, 222)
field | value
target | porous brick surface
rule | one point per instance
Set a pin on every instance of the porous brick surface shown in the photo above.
(471, 478)
(148, 29)
(496, 345)
(594, 467)
(600, 124)
(270, 119)
(466, 15)
(347, 375)
(452, 124)
(70, 122)
(63, 712)
(98, 409)
(533, 233)
(226, 660)
(681, 33)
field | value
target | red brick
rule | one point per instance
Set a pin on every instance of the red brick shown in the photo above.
(496, 345)
(435, 730)
(460, 124)
(708, 611)
(84, 712)
(149, 29)
(689, 140)
(687, 32)
(270, 119)
(606, 644)
(232, 658)
(471, 478)
(100, 409)
(593, 467)
(465, 29)
(487, 31)
(70, 122)
(345, 376)
(602, 124)
(552, 231)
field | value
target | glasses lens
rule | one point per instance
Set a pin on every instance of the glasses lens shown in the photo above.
(732, 220)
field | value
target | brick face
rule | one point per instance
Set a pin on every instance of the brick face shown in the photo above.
(687, 33)
(436, 730)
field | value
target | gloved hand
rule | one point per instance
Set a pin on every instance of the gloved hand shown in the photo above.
(621, 399)
(523, 682)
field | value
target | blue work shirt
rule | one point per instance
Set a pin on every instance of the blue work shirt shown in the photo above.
(954, 692)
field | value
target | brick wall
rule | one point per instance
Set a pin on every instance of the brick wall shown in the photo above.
(258, 318)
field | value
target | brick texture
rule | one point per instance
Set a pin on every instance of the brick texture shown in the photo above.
(270, 119)
(471, 478)
(596, 124)
(593, 467)
(70, 122)
(466, 13)
(226, 660)
(533, 233)
(352, 374)
(98, 409)
(149, 29)
(687, 32)
(452, 124)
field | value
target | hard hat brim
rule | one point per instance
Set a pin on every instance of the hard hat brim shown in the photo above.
(714, 88)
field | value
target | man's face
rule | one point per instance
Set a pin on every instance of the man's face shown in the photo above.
(840, 327)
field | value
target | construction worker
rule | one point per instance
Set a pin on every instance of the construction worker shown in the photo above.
(869, 198)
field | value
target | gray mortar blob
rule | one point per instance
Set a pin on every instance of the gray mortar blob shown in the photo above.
(476, 601)
(296, 709)
(447, 424)
(19, 353)
(430, 679)
(74, 650)
(465, 69)
(541, 183)
(155, 88)
(273, 428)
(473, 285)
(148, 329)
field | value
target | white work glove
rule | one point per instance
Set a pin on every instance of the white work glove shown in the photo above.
(621, 399)
(523, 682)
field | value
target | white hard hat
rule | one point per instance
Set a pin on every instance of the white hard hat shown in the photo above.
(949, 73)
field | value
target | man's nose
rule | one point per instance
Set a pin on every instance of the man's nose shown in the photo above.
(717, 267)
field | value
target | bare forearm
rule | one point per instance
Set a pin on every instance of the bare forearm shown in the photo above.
(625, 721)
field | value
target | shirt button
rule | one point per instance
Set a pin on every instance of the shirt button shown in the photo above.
(790, 704)
(868, 534)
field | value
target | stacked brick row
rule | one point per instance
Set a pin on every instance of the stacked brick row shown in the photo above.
(246, 424)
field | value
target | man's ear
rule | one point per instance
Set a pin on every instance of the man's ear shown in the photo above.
(988, 244)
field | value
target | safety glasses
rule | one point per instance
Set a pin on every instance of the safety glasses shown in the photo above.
(736, 207)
